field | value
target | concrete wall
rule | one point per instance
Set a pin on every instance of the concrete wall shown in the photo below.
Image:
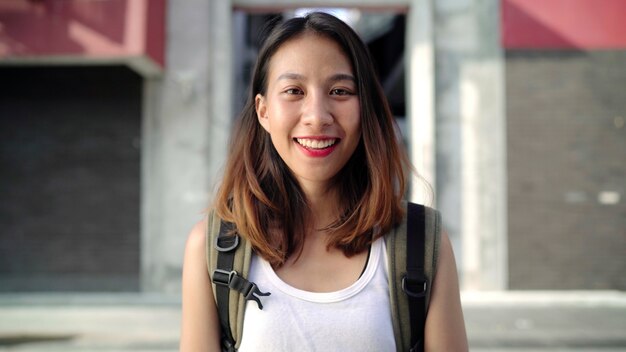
(186, 127)
(470, 138)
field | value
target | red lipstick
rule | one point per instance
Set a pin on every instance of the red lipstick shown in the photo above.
(315, 152)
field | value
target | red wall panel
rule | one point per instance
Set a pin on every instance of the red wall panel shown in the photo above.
(105, 29)
(564, 24)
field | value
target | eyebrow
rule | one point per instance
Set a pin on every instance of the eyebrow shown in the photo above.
(334, 78)
(289, 75)
(342, 77)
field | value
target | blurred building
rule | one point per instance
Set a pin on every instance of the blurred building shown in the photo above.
(565, 73)
(115, 117)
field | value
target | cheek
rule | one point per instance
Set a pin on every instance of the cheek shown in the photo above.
(283, 118)
(355, 121)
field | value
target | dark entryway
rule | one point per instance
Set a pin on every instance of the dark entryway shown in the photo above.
(69, 178)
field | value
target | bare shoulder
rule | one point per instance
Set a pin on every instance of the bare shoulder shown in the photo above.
(445, 326)
(199, 326)
(196, 240)
(446, 252)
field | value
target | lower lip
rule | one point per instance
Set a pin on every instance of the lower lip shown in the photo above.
(317, 153)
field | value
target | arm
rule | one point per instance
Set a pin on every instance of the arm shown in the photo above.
(445, 328)
(200, 330)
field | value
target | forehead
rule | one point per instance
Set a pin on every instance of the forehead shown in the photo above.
(311, 53)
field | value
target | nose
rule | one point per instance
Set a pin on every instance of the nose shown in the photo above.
(316, 111)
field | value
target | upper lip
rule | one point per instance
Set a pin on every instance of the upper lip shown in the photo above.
(318, 138)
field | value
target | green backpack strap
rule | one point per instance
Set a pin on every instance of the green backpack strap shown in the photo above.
(228, 261)
(396, 242)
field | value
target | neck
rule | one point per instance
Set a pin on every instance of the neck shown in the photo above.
(323, 204)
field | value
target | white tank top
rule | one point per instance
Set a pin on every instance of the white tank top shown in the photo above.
(357, 318)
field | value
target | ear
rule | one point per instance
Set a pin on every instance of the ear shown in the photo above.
(261, 111)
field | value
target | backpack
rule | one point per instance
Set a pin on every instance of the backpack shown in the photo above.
(412, 252)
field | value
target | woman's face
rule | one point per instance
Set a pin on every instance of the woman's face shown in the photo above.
(311, 108)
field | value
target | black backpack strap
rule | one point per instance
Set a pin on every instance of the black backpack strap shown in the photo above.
(226, 279)
(226, 246)
(414, 282)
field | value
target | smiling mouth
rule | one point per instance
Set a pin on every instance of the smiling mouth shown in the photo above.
(316, 143)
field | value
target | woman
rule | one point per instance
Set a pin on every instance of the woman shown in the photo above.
(314, 180)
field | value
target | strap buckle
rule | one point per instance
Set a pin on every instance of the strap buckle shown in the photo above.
(408, 286)
(226, 243)
(249, 291)
(234, 281)
(223, 277)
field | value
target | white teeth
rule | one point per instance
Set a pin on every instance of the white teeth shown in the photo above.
(316, 143)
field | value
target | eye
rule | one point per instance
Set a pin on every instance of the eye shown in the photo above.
(340, 91)
(294, 91)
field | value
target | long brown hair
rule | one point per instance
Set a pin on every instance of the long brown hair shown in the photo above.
(263, 199)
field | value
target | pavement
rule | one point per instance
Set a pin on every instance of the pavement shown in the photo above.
(545, 321)
(495, 321)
